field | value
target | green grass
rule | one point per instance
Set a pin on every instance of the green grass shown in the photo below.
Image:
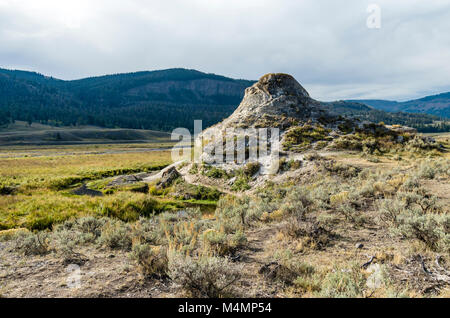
(41, 184)
(42, 210)
(300, 138)
(35, 191)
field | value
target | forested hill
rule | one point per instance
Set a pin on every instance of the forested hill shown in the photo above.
(422, 122)
(438, 105)
(158, 100)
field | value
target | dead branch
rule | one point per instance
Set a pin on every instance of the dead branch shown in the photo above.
(365, 265)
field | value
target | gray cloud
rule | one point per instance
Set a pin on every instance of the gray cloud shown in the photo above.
(325, 44)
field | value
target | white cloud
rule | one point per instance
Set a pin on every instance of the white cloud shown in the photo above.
(325, 44)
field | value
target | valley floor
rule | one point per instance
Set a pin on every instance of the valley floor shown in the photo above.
(356, 227)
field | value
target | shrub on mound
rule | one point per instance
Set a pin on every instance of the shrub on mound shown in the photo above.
(301, 137)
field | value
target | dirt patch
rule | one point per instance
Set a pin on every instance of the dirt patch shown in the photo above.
(104, 274)
(440, 188)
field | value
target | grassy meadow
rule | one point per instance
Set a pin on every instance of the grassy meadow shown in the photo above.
(21, 133)
(42, 184)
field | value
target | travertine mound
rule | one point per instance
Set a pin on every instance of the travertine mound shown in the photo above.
(276, 100)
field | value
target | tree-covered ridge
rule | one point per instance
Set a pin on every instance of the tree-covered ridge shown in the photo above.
(159, 100)
(422, 122)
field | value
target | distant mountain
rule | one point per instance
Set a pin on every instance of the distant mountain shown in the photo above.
(438, 105)
(422, 122)
(156, 100)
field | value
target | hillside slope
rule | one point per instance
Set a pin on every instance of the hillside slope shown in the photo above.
(438, 105)
(160, 100)
(422, 122)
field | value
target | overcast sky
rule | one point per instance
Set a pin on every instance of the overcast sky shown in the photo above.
(325, 44)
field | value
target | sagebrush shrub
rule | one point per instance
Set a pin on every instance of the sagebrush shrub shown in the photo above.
(344, 283)
(28, 243)
(216, 242)
(416, 215)
(298, 202)
(233, 213)
(411, 183)
(426, 171)
(313, 234)
(390, 210)
(89, 228)
(116, 235)
(147, 231)
(152, 260)
(285, 269)
(183, 235)
(422, 200)
(70, 234)
(431, 229)
(221, 244)
(350, 214)
(211, 277)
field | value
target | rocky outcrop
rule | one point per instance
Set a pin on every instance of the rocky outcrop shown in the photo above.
(279, 101)
(168, 177)
(402, 129)
(198, 89)
(276, 100)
